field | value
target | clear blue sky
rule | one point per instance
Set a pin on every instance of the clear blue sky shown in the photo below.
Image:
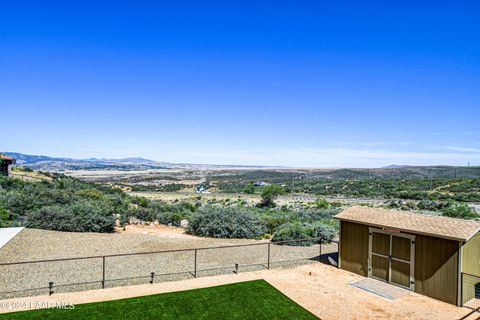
(296, 83)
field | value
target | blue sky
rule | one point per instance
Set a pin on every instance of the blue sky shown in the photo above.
(294, 83)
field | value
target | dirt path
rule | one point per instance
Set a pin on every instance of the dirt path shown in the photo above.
(156, 230)
(322, 289)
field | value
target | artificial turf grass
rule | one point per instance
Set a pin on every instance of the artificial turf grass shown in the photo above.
(246, 300)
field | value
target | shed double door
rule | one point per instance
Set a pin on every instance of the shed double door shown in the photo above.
(391, 257)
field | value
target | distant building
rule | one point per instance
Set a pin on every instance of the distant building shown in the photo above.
(6, 165)
(261, 184)
(202, 189)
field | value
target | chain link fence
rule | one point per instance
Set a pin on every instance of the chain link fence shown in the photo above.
(29, 278)
(470, 291)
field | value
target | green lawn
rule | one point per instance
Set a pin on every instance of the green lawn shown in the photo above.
(247, 300)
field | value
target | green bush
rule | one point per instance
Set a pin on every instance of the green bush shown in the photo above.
(269, 193)
(272, 219)
(462, 211)
(316, 215)
(52, 218)
(433, 205)
(322, 204)
(80, 217)
(3, 214)
(173, 217)
(249, 188)
(325, 232)
(142, 213)
(173, 213)
(298, 231)
(91, 194)
(227, 222)
(293, 231)
(65, 204)
(22, 169)
(140, 201)
(4, 218)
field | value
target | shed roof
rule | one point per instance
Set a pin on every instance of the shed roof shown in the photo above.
(6, 157)
(436, 226)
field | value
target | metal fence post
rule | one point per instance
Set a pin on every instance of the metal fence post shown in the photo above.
(152, 275)
(461, 289)
(320, 249)
(50, 288)
(268, 261)
(103, 272)
(195, 265)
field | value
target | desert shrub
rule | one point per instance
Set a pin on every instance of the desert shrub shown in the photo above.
(174, 213)
(249, 188)
(4, 218)
(315, 215)
(18, 201)
(80, 217)
(269, 193)
(462, 211)
(142, 213)
(66, 204)
(52, 218)
(434, 205)
(190, 206)
(241, 203)
(140, 201)
(230, 222)
(173, 217)
(91, 193)
(293, 231)
(410, 205)
(93, 217)
(467, 197)
(3, 214)
(298, 230)
(272, 219)
(171, 187)
(414, 188)
(322, 203)
(336, 204)
(22, 169)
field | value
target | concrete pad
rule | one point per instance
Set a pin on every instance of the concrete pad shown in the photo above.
(383, 289)
(7, 234)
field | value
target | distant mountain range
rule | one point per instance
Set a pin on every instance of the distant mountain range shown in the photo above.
(397, 166)
(45, 163)
(53, 164)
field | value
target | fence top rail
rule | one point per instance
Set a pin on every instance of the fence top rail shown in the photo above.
(471, 275)
(297, 240)
(155, 252)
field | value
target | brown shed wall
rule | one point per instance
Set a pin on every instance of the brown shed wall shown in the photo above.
(354, 247)
(4, 169)
(436, 268)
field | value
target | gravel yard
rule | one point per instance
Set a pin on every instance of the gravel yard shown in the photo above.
(32, 244)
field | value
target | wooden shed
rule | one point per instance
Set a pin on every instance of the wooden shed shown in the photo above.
(422, 253)
(6, 165)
